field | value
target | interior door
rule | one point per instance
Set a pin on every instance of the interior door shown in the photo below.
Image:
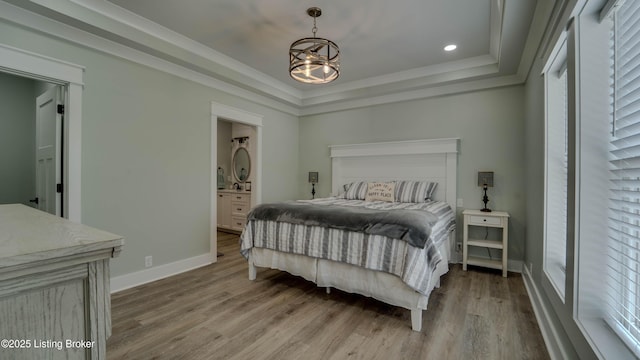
(49, 151)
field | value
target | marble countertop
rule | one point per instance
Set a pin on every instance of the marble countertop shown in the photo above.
(227, 191)
(29, 235)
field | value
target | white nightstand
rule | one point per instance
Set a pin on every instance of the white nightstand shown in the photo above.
(496, 219)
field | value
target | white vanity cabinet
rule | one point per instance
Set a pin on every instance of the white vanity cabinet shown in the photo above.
(224, 210)
(233, 207)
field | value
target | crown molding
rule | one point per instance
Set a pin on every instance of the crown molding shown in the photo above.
(401, 76)
(105, 27)
(127, 24)
(19, 16)
(456, 88)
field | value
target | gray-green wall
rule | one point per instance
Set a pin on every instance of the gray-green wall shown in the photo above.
(490, 124)
(146, 152)
(17, 139)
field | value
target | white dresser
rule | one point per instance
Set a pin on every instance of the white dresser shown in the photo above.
(233, 207)
(55, 299)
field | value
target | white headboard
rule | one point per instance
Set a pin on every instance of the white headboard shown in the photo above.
(427, 160)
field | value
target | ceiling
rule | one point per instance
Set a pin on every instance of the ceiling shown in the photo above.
(387, 48)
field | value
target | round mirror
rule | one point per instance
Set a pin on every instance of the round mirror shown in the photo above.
(241, 164)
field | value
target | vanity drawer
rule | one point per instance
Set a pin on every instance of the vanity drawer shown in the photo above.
(484, 220)
(239, 208)
(240, 198)
(238, 222)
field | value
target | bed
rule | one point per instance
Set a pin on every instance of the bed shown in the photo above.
(379, 260)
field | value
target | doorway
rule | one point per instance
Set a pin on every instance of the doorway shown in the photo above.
(30, 143)
(225, 113)
(17, 62)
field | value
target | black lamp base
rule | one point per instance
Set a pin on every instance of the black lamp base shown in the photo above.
(485, 200)
(313, 191)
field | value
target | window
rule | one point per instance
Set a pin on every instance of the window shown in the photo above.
(556, 171)
(600, 208)
(623, 281)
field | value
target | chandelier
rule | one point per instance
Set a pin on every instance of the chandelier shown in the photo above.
(314, 60)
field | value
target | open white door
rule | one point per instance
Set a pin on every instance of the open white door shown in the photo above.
(49, 151)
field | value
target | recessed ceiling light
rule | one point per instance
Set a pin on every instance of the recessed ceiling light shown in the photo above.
(450, 47)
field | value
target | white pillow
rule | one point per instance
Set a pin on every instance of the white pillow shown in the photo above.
(380, 191)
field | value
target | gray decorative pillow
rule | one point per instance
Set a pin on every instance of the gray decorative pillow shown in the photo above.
(414, 191)
(357, 190)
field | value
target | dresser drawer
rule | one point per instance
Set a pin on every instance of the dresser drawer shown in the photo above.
(484, 220)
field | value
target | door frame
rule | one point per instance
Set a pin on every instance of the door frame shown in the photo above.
(28, 64)
(228, 113)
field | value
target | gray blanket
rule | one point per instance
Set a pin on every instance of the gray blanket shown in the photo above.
(412, 226)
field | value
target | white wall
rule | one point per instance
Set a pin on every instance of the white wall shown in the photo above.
(146, 152)
(224, 149)
(17, 139)
(490, 124)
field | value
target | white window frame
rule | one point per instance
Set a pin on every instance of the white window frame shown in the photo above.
(588, 53)
(555, 197)
(587, 38)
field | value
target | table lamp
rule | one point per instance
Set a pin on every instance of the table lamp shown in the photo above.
(485, 180)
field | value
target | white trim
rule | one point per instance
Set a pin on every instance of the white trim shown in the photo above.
(73, 145)
(221, 111)
(428, 146)
(53, 28)
(128, 20)
(19, 61)
(427, 72)
(550, 333)
(456, 88)
(497, 23)
(28, 64)
(253, 86)
(127, 281)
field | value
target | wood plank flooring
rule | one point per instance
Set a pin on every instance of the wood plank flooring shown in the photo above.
(215, 312)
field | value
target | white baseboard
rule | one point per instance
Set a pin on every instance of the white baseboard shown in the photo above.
(556, 349)
(123, 282)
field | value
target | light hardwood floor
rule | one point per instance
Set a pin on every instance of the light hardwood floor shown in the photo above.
(215, 312)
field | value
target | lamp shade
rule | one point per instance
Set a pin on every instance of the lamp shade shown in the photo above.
(485, 178)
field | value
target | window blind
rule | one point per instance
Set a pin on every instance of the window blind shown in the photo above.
(623, 278)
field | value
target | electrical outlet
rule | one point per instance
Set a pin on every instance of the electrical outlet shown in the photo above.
(458, 247)
(148, 261)
(459, 203)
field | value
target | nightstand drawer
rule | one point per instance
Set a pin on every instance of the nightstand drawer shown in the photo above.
(484, 220)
